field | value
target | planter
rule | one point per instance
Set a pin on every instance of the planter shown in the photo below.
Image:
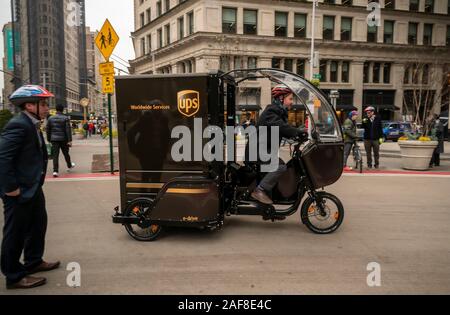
(416, 155)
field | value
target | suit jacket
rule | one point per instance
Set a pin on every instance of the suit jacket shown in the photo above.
(23, 160)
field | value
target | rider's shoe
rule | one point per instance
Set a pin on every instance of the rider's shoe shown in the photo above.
(261, 196)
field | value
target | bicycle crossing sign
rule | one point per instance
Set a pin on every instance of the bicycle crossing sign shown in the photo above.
(107, 40)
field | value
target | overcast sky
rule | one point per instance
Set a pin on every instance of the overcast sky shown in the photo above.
(119, 13)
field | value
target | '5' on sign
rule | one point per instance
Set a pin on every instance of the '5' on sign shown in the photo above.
(108, 84)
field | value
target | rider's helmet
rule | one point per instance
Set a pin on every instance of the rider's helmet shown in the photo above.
(369, 109)
(352, 114)
(281, 91)
(29, 94)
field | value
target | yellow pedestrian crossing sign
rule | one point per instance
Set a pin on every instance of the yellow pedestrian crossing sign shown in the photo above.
(108, 84)
(107, 40)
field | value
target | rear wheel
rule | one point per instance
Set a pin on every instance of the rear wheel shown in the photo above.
(144, 231)
(324, 215)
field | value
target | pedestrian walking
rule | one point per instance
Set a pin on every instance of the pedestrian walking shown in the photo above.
(23, 164)
(373, 133)
(59, 134)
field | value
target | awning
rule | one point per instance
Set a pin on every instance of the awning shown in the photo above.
(76, 116)
(298, 107)
(249, 108)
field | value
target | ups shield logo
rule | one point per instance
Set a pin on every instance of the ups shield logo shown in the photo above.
(188, 103)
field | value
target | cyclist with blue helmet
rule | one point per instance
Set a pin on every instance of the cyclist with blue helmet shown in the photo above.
(23, 165)
(350, 136)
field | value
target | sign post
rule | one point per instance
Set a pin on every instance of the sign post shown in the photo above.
(106, 41)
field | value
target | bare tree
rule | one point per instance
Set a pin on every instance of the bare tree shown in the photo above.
(429, 89)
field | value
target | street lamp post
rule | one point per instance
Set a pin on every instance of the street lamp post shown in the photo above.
(313, 35)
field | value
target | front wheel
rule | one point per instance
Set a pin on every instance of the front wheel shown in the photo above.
(143, 232)
(324, 214)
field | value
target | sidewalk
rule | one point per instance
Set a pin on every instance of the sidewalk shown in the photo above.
(392, 149)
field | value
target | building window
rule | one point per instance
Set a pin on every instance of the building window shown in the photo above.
(427, 34)
(289, 65)
(158, 9)
(345, 71)
(389, 4)
(190, 20)
(149, 15)
(167, 5)
(425, 74)
(372, 34)
(328, 27)
(252, 63)
(143, 46)
(300, 25)
(323, 70)
(167, 33)
(301, 67)
(149, 43)
(429, 6)
(250, 22)
(346, 29)
(142, 17)
(237, 64)
(412, 33)
(387, 73)
(276, 63)
(281, 22)
(180, 27)
(388, 32)
(229, 20)
(225, 63)
(406, 78)
(333, 71)
(414, 5)
(448, 34)
(160, 38)
(376, 72)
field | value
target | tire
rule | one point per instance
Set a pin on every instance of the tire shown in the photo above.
(337, 217)
(150, 233)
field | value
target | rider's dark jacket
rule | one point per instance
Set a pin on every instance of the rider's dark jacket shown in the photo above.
(276, 115)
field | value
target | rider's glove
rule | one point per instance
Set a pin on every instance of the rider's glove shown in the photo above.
(302, 135)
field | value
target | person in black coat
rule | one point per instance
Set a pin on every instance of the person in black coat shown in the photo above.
(59, 133)
(373, 132)
(23, 164)
(276, 115)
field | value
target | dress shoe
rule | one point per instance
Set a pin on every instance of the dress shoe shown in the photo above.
(44, 266)
(27, 283)
(261, 196)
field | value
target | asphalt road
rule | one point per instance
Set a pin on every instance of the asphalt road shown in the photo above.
(402, 223)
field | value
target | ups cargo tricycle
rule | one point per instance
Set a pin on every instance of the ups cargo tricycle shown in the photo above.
(159, 190)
